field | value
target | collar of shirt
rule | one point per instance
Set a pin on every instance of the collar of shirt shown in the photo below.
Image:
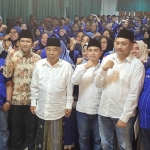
(95, 67)
(24, 55)
(45, 62)
(129, 58)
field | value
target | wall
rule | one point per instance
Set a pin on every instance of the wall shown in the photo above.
(109, 7)
(121, 13)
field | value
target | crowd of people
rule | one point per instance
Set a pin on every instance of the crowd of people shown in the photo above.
(81, 84)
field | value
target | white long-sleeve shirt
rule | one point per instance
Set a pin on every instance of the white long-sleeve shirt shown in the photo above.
(89, 94)
(121, 87)
(51, 89)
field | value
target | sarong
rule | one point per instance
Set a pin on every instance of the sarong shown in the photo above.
(49, 135)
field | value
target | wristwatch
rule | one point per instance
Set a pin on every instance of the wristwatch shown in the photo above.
(9, 101)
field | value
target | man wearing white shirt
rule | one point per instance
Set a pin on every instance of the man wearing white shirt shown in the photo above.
(51, 96)
(89, 97)
(121, 76)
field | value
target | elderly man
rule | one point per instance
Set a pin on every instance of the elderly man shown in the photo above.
(51, 96)
(19, 65)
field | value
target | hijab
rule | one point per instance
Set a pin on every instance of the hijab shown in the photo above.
(147, 41)
(64, 37)
(139, 36)
(143, 51)
(78, 46)
(18, 30)
(110, 45)
(111, 34)
(37, 37)
(40, 46)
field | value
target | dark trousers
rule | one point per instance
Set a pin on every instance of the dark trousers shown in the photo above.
(145, 138)
(23, 127)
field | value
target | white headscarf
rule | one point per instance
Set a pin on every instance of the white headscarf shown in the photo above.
(143, 55)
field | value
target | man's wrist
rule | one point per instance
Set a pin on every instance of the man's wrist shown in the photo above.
(86, 67)
(104, 69)
(9, 101)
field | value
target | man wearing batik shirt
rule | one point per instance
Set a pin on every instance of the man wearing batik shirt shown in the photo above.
(19, 65)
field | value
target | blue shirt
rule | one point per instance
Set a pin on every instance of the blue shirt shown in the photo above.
(138, 36)
(101, 28)
(66, 28)
(144, 21)
(76, 53)
(3, 81)
(56, 30)
(115, 27)
(144, 102)
(71, 23)
(72, 35)
(108, 53)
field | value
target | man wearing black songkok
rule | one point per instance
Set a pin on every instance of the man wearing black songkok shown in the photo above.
(121, 77)
(51, 96)
(19, 65)
(89, 97)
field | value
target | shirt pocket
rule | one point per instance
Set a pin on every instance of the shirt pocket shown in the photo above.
(60, 82)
